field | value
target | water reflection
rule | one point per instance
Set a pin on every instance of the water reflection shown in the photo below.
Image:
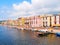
(10, 36)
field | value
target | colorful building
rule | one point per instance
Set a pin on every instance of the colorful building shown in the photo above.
(28, 22)
(46, 20)
(50, 20)
(55, 20)
(21, 22)
(35, 21)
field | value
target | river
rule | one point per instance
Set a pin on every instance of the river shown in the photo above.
(11, 36)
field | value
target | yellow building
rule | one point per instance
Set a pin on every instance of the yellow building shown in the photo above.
(21, 22)
(46, 20)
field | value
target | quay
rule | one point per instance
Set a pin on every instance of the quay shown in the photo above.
(42, 31)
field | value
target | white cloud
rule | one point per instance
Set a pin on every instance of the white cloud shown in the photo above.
(57, 9)
(44, 3)
(36, 7)
(22, 6)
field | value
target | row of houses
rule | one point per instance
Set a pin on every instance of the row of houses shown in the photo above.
(44, 20)
(51, 20)
(47, 20)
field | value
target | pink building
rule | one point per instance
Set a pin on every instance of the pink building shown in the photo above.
(35, 21)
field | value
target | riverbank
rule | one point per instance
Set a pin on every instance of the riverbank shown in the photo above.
(51, 30)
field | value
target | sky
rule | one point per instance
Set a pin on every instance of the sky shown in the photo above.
(13, 9)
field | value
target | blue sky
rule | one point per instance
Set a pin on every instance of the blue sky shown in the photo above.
(6, 5)
(10, 2)
(13, 9)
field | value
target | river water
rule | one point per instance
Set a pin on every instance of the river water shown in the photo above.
(10, 36)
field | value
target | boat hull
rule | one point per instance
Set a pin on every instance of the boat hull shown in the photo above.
(57, 34)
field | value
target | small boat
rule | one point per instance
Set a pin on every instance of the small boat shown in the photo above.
(43, 33)
(43, 30)
(34, 30)
(58, 34)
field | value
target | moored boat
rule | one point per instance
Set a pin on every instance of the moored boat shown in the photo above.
(57, 34)
(43, 34)
(43, 30)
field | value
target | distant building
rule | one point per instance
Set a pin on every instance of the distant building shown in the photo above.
(46, 20)
(28, 22)
(35, 21)
(55, 20)
(50, 20)
(9, 22)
